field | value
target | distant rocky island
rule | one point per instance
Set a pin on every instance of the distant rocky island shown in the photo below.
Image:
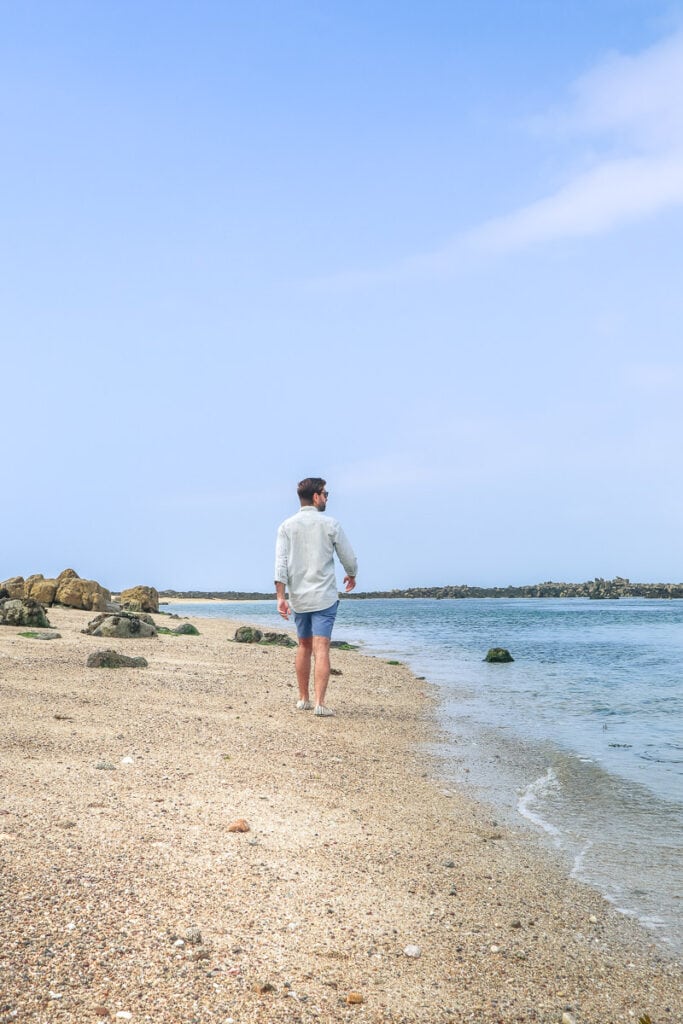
(597, 590)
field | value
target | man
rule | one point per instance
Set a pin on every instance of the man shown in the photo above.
(304, 562)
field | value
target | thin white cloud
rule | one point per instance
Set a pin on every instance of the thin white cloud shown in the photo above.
(630, 108)
(628, 113)
(613, 193)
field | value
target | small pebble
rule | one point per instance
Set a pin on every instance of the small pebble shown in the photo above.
(495, 949)
(193, 935)
(413, 951)
(239, 825)
(124, 1014)
(354, 997)
(127, 760)
(593, 919)
(105, 766)
(568, 1019)
(179, 943)
(55, 995)
(449, 863)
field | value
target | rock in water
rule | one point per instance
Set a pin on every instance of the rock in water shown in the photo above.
(498, 655)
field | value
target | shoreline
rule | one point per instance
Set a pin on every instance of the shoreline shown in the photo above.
(357, 850)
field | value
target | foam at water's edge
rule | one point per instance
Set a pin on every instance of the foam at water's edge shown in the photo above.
(539, 787)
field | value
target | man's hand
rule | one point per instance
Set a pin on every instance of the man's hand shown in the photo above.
(350, 582)
(283, 607)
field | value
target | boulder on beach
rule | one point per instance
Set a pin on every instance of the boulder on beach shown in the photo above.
(22, 612)
(112, 659)
(41, 589)
(248, 635)
(139, 599)
(73, 592)
(123, 624)
(498, 655)
(14, 586)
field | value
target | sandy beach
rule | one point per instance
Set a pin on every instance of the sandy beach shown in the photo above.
(124, 895)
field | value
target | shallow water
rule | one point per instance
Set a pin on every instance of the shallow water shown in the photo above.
(581, 736)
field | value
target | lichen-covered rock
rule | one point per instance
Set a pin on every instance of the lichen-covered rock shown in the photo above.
(22, 612)
(112, 659)
(140, 599)
(123, 624)
(14, 586)
(74, 592)
(248, 635)
(498, 655)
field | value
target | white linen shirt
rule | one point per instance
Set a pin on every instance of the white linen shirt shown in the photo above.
(304, 559)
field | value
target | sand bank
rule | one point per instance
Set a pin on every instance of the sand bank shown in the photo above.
(117, 790)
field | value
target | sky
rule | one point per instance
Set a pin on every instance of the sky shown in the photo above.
(431, 252)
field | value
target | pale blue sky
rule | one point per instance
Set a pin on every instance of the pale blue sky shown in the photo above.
(431, 252)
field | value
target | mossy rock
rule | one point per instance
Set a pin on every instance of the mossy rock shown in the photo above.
(498, 655)
(113, 659)
(32, 635)
(342, 645)
(248, 635)
(278, 640)
(187, 629)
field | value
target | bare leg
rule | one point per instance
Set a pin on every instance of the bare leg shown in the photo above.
(302, 664)
(321, 654)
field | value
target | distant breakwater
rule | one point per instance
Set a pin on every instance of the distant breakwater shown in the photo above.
(596, 590)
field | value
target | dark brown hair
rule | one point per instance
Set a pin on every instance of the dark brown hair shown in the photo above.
(308, 487)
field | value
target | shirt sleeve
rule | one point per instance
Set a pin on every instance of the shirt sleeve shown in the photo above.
(281, 573)
(345, 552)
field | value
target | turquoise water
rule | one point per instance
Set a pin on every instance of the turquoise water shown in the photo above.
(581, 736)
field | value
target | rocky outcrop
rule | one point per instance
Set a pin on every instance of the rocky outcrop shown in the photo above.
(22, 612)
(139, 599)
(112, 659)
(14, 586)
(41, 589)
(123, 624)
(67, 589)
(74, 592)
(186, 629)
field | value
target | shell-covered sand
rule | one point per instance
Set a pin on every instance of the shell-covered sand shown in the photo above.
(117, 791)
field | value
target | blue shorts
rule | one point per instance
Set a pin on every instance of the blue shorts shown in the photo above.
(320, 623)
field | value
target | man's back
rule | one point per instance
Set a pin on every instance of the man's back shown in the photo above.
(306, 544)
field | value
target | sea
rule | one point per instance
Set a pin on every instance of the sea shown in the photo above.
(579, 739)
